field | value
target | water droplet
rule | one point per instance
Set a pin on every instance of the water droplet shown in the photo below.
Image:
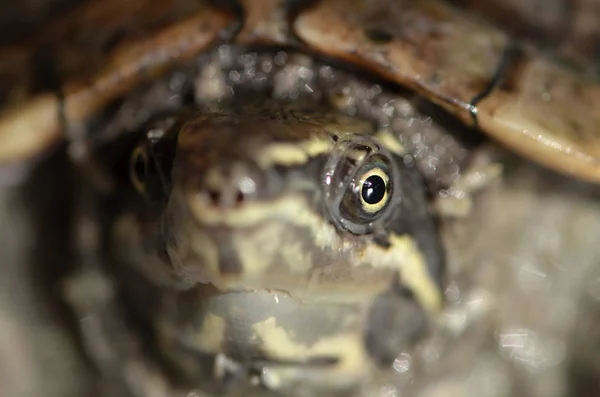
(402, 363)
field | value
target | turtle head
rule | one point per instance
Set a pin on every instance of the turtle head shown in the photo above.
(288, 203)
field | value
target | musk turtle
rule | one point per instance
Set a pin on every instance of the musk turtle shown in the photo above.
(259, 176)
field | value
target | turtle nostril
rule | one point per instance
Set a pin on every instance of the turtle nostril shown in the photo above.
(230, 186)
(218, 198)
(239, 197)
(214, 196)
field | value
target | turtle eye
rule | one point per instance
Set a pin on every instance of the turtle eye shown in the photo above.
(374, 190)
(368, 192)
(361, 182)
(147, 173)
(139, 169)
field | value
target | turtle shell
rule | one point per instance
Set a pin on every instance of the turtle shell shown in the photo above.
(494, 65)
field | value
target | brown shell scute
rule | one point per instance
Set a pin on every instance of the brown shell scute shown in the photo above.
(80, 42)
(454, 57)
(544, 20)
(137, 55)
(548, 114)
(457, 60)
(568, 28)
(432, 48)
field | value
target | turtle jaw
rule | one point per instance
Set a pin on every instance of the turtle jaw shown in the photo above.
(255, 245)
(284, 243)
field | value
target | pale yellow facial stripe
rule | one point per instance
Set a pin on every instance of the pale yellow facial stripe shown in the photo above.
(290, 209)
(211, 336)
(288, 154)
(387, 139)
(293, 209)
(279, 343)
(258, 252)
(413, 269)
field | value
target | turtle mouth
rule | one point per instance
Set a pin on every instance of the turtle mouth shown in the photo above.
(284, 243)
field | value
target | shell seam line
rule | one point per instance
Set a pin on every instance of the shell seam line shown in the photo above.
(508, 56)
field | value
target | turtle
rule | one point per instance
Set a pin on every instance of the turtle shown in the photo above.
(260, 178)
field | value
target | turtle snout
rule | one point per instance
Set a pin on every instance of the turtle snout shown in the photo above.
(229, 186)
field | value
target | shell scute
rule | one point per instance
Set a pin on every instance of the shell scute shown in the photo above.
(547, 113)
(530, 102)
(92, 73)
(432, 49)
(453, 56)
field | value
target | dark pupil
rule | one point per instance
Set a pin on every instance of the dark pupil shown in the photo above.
(140, 167)
(373, 189)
